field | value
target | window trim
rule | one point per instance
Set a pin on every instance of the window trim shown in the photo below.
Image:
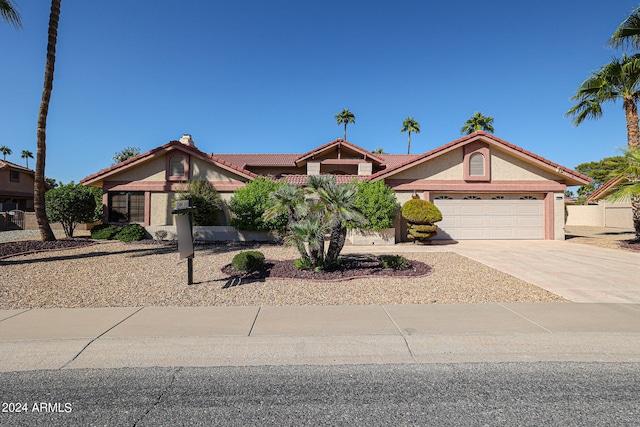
(14, 176)
(477, 147)
(185, 165)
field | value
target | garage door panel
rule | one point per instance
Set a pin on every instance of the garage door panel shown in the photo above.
(491, 219)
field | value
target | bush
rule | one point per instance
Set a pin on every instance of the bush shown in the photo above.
(249, 203)
(206, 200)
(70, 205)
(378, 204)
(395, 262)
(248, 261)
(131, 233)
(105, 231)
(422, 212)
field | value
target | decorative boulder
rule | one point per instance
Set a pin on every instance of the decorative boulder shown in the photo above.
(421, 215)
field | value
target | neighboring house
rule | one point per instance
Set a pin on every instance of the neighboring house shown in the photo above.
(16, 185)
(600, 212)
(485, 187)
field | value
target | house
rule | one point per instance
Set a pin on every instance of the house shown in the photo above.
(16, 186)
(600, 212)
(486, 188)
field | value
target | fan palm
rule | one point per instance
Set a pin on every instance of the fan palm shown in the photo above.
(410, 125)
(345, 117)
(629, 187)
(39, 187)
(618, 80)
(628, 32)
(10, 14)
(477, 122)
(26, 154)
(5, 151)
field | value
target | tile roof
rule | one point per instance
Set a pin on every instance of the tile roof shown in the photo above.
(339, 142)
(8, 165)
(244, 160)
(462, 141)
(340, 179)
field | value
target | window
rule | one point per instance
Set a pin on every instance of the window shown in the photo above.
(476, 165)
(176, 167)
(126, 207)
(14, 176)
(499, 198)
(443, 198)
(472, 198)
(528, 198)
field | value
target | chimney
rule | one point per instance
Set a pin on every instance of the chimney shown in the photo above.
(186, 140)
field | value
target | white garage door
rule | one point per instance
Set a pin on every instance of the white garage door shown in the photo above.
(491, 219)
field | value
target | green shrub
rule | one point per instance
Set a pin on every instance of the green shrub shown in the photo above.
(131, 233)
(206, 200)
(303, 264)
(422, 212)
(249, 203)
(70, 205)
(248, 261)
(395, 262)
(105, 231)
(378, 204)
(419, 235)
(424, 228)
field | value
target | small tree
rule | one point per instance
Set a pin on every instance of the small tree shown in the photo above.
(628, 188)
(249, 203)
(125, 154)
(378, 204)
(206, 200)
(421, 216)
(70, 204)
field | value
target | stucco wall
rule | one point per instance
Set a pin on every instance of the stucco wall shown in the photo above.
(615, 215)
(506, 167)
(558, 216)
(153, 170)
(24, 186)
(446, 166)
(204, 171)
(161, 209)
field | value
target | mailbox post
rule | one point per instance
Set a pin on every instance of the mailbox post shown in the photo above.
(184, 228)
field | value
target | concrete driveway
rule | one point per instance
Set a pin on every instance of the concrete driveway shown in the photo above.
(579, 273)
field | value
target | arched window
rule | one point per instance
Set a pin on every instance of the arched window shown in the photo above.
(476, 164)
(528, 198)
(472, 198)
(443, 198)
(500, 198)
(176, 166)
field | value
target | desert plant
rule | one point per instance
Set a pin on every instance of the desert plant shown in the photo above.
(160, 234)
(249, 203)
(248, 261)
(206, 200)
(105, 231)
(421, 214)
(395, 262)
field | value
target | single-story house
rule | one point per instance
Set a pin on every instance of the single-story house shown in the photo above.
(16, 186)
(486, 188)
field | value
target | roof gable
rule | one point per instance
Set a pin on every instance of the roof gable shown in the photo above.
(339, 145)
(12, 166)
(169, 147)
(574, 177)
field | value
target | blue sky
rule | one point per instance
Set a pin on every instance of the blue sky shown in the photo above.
(268, 76)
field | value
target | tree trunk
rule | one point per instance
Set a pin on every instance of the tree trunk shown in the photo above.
(39, 185)
(409, 144)
(635, 208)
(631, 113)
(336, 243)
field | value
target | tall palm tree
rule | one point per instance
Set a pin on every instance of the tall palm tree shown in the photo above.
(410, 125)
(629, 187)
(5, 151)
(39, 180)
(26, 154)
(628, 32)
(346, 117)
(618, 80)
(10, 14)
(477, 122)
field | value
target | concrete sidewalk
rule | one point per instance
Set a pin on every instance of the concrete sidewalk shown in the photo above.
(225, 336)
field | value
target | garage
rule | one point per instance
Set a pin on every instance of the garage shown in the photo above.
(490, 217)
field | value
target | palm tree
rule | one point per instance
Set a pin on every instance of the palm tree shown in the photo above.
(477, 122)
(629, 186)
(10, 14)
(5, 151)
(628, 32)
(618, 80)
(39, 180)
(26, 154)
(410, 125)
(346, 117)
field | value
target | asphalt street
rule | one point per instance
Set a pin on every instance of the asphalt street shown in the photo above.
(471, 394)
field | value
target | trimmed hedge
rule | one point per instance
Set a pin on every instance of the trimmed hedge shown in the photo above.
(248, 261)
(124, 233)
(421, 212)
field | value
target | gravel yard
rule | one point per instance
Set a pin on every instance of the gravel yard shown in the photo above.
(114, 274)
